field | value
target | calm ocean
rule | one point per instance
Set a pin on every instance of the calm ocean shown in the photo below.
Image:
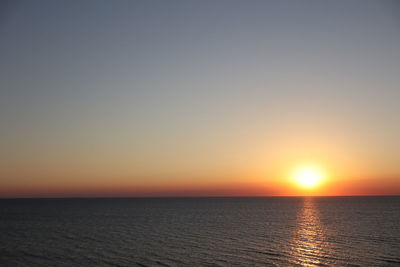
(270, 231)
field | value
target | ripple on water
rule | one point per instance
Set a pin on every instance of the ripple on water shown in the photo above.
(359, 231)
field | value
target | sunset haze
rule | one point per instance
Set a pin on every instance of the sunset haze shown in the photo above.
(199, 98)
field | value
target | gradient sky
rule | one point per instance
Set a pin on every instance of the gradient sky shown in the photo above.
(198, 97)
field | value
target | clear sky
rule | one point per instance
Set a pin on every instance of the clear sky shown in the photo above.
(198, 97)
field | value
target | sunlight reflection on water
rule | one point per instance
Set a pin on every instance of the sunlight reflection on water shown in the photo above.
(308, 244)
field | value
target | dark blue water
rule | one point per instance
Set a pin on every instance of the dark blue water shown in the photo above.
(320, 231)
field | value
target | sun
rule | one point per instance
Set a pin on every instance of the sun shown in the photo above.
(308, 176)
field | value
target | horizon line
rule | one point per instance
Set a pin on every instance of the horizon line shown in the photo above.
(244, 196)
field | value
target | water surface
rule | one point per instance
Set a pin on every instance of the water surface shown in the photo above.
(276, 231)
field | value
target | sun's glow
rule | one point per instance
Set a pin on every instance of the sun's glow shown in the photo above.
(308, 176)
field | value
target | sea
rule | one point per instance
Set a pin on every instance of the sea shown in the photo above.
(237, 231)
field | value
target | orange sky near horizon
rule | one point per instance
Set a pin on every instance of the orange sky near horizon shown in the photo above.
(257, 168)
(236, 187)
